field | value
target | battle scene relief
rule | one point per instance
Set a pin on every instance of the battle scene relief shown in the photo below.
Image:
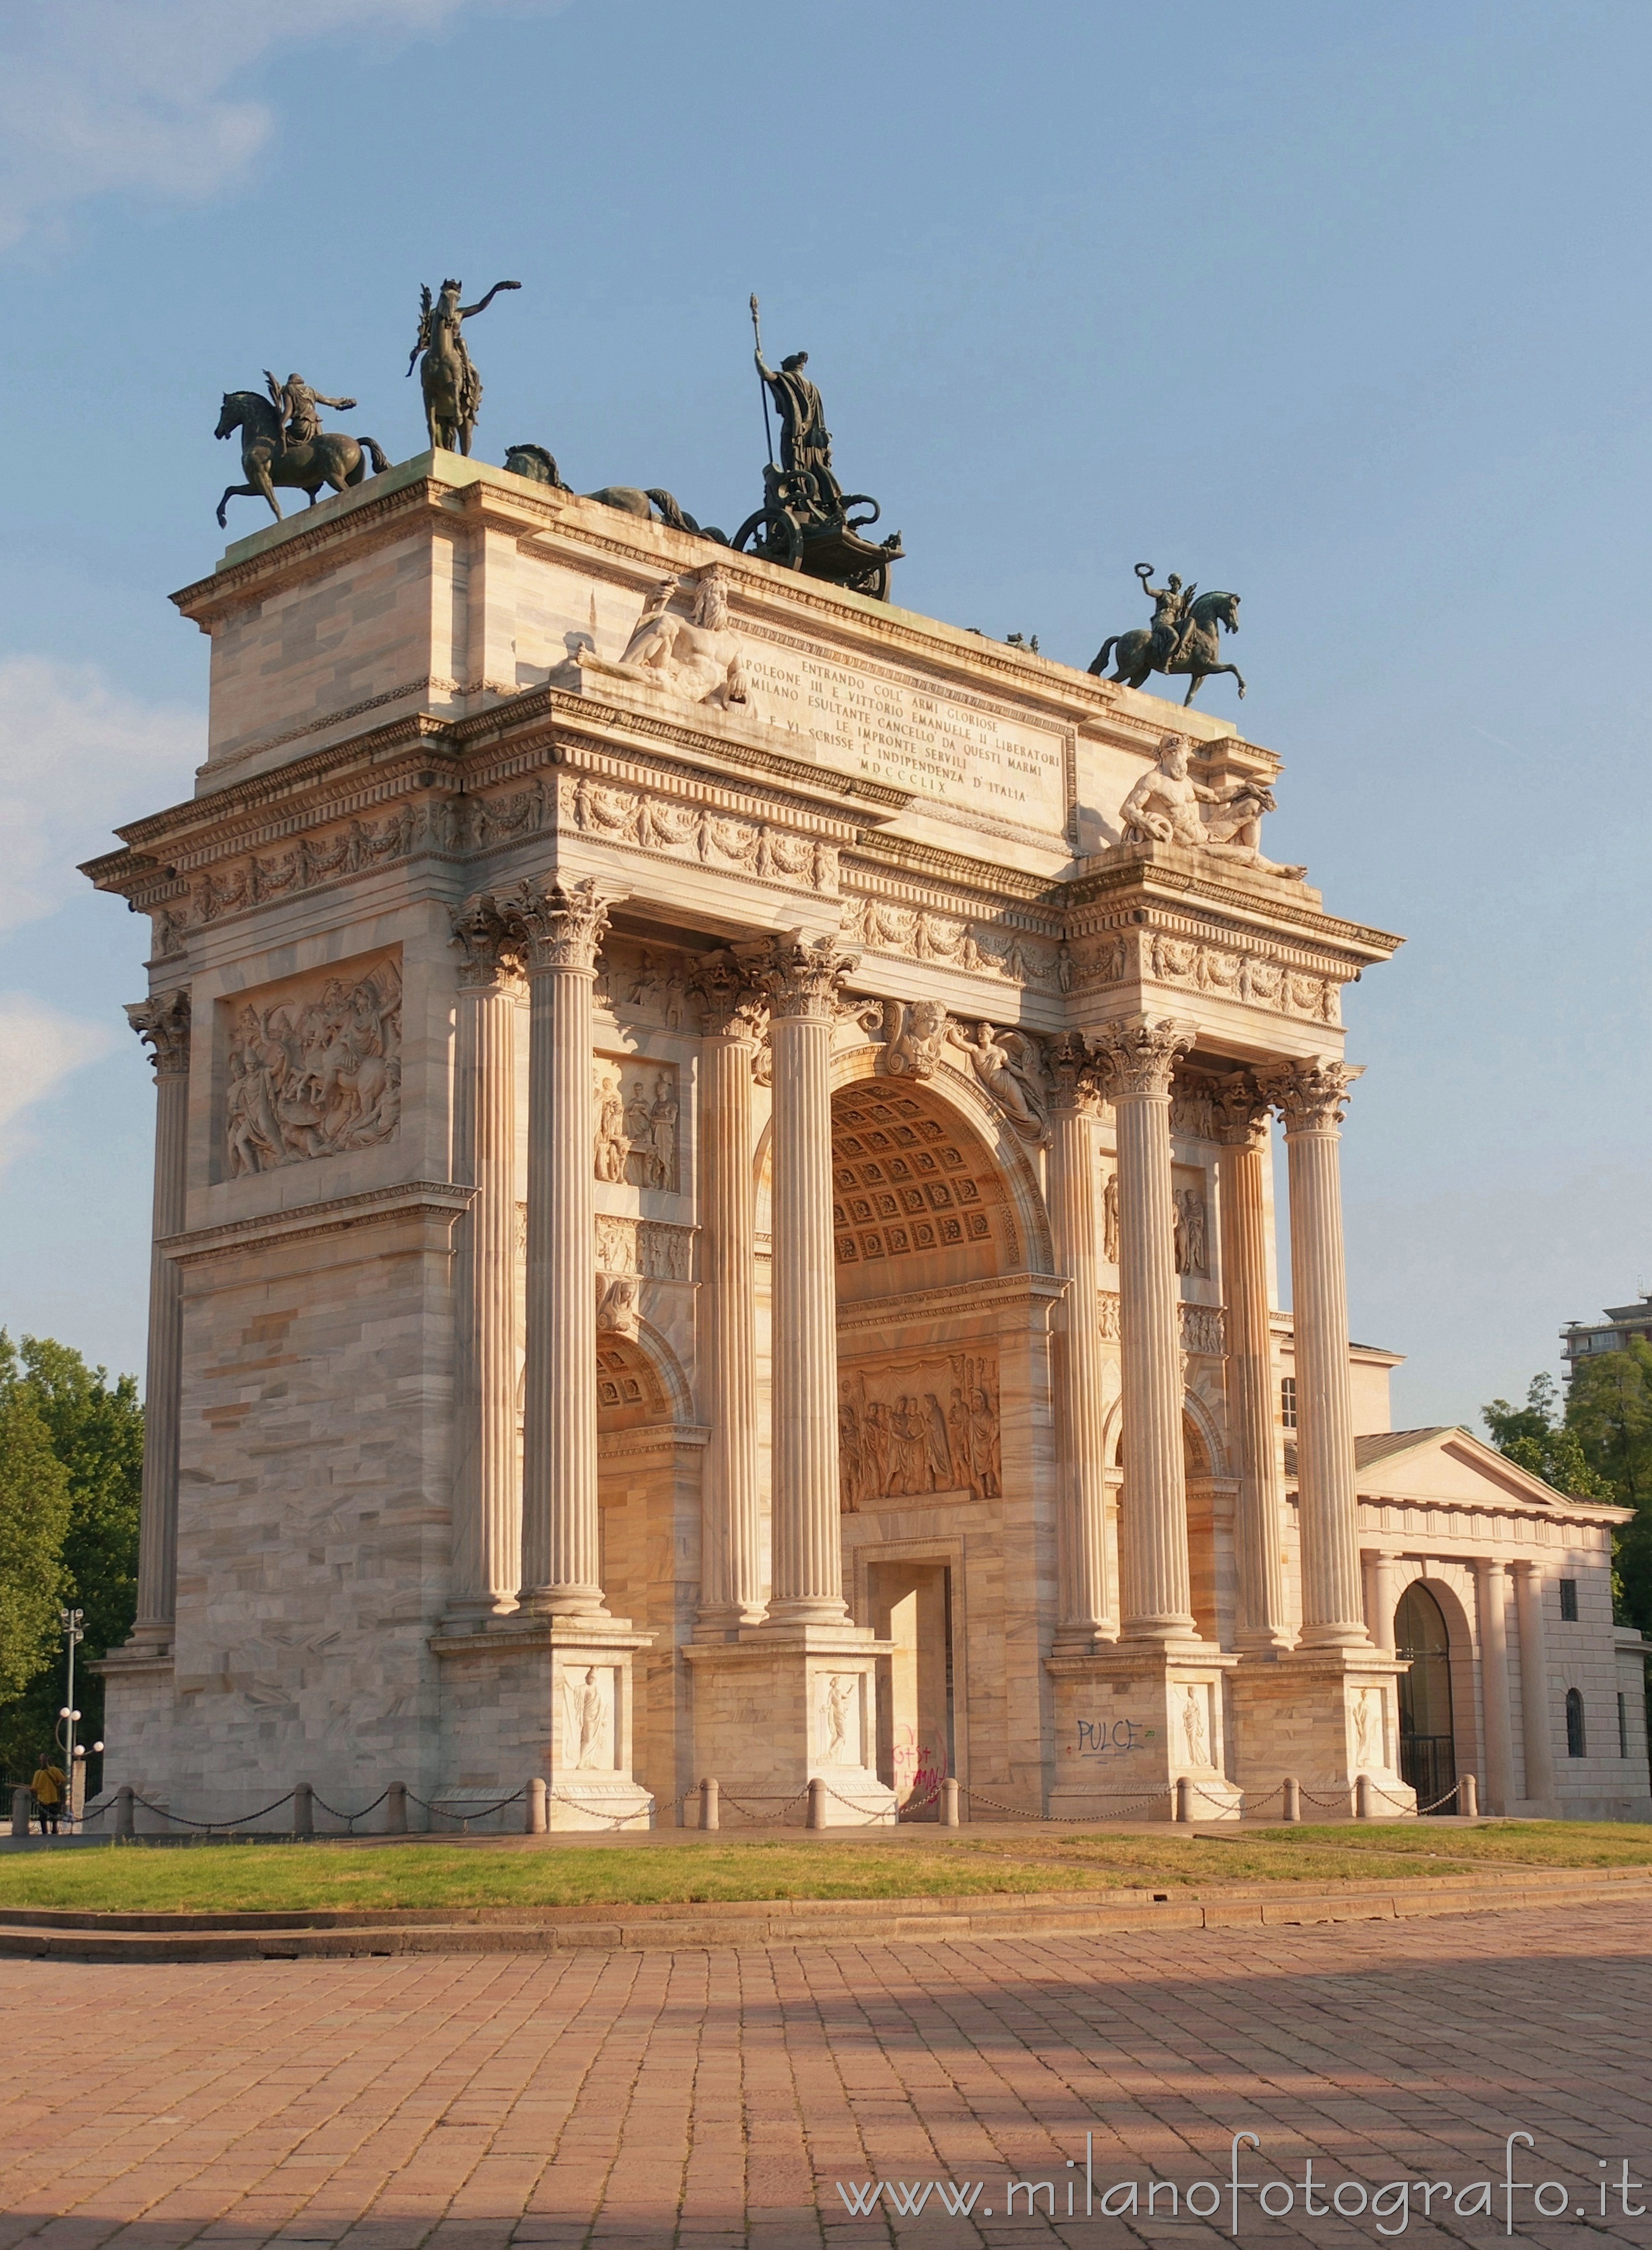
(313, 1066)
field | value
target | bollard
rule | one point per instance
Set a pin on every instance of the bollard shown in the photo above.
(710, 1804)
(22, 1809)
(948, 1803)
(1362, 1798)
(534, 1819)
(1184, 1799)
(396, 1808)
(1468, 1797)
(816, 1802)
(124, 1823)
(1293, 1799)
(303, 1809)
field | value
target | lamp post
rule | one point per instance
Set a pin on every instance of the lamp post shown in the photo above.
(73, 1622)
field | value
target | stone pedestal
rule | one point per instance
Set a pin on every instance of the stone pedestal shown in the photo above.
(777, 1709)
(1131, 1722)
(592, 1707)
(1321, 1716)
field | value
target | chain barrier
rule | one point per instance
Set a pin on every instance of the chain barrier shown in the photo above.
(762, 1820)
(918, 1804)
(1063, 1820)
(162, 1812)
(1329, 1803)
(868, 1820)
(462, 1821)
(349, 1818)
(608, 1819)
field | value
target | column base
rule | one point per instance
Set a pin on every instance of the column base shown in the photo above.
(1133, 1720)
(477, 1616)
(788, 1704)
(1323, 1717)
(588, 1772)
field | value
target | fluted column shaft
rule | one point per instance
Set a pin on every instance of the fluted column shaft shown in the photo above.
(1379, 1626)
(730, 1559)
(487, 1558)
(1087, 1612)
(1311, 1096)
(1534, 1682)
(1491, 1582)
(163, 1025)
(1156, 1593)
(1259, 1531)
(559, 931)
(801, 982)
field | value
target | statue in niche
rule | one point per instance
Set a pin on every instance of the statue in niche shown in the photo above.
(642, 1161)
(1189, 1223)
(1167, 805)
(662, 1120)
(838, 1700)
(1368, 1730)
(1110, 1216)
(586, 1705)
(315, 1077)
(694, 656)
(1194, 1737)
(1006, 1065)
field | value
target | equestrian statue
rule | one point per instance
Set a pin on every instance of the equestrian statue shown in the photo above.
(453, 389)
(1185, 636)
(283, 443)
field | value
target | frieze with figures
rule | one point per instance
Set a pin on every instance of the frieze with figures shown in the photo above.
(1257, 975)
(623, 815)
(929, 1427)
(651, 1249)
(1202, 1328)
(980, 949)
(637, 1114)
(314, 1068)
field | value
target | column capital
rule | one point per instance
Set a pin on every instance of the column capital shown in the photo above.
(492, 951)
(1140, 1056)
(798, 976)
(556, 926)
(162, 1023)
(1310, 1095)
(733, 1005)
(1077, 1073)
(1243, 1112)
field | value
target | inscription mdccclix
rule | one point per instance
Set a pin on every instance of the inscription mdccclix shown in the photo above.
(908, 739)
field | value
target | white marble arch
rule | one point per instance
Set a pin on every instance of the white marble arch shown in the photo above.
(662, 1365)
(1009, 1156)
(1206, 1457)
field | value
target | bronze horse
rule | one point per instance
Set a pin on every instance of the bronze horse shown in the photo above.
(332, 459)
(1200, 652)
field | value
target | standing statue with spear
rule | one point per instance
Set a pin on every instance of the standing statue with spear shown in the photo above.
(806, 442)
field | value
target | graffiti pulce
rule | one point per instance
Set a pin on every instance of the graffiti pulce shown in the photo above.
(1100, 1738)
(1390, 2202)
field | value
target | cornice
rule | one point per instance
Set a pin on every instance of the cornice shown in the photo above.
(1004, 1291)
(1161, 868)
(905, 857)
(442, 1200)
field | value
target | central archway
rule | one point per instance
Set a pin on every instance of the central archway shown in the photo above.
(1428, 1739)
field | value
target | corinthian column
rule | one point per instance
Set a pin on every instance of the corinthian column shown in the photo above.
(1243, 1118)
(557, 932)
(1156, 1600)
(486, 1559)
(730, 1572)
(800, 981)
(162, 1023)
(1311, 1096)
(1087, 1612)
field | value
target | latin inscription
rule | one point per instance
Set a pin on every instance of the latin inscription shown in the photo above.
(931, 744)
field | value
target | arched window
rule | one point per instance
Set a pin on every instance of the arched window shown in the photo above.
(1576, 1745)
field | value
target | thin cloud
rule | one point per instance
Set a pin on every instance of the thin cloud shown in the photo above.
(75, 755)
(105, 96)
(40, 1045)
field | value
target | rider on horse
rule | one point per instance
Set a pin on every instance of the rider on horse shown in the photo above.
(295, 401)
(1172, 604)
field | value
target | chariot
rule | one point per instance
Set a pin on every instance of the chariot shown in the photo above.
(802, 526)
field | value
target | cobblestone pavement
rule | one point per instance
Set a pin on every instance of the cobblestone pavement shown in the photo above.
(638, 2100)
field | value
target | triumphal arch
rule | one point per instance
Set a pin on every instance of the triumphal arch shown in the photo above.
(715, 1212)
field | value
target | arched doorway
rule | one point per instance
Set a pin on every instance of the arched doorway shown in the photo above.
(1427, 1746)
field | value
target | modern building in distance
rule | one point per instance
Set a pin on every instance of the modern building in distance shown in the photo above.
(1579, 1341)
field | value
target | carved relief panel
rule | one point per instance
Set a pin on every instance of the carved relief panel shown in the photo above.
(637, 1109)
(924, 1425)
(312, 1066)
(839, 1719)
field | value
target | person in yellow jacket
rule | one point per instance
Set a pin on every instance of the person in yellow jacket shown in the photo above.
(48, 1786)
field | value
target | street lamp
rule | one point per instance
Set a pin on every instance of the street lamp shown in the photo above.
(72, 1622)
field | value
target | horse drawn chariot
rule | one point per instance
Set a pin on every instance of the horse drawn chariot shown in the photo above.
(806, 524)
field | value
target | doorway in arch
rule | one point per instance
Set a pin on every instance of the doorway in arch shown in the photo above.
(1427, 1746)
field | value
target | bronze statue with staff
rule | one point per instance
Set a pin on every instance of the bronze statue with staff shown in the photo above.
(453, 389)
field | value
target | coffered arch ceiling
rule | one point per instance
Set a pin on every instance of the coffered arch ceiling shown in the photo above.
(918, 1200)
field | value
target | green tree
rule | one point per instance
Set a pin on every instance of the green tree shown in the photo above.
(1538, 1438)
(94, 1432)
(1610, 1411)
(34, 1515)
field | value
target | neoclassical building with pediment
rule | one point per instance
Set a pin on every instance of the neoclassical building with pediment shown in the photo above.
(715, 1216)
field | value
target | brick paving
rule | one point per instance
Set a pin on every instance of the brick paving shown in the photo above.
(638, 2101)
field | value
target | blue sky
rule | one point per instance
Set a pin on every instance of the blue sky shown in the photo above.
(1344, 308)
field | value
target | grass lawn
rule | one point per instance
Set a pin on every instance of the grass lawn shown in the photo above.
(1529, 1843)
(254, 1878)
